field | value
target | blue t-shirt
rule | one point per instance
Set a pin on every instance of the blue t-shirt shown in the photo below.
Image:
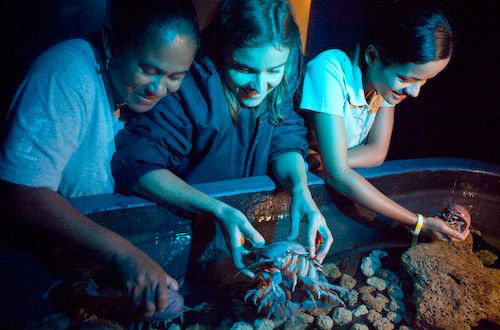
(61, 127)
(192, 134)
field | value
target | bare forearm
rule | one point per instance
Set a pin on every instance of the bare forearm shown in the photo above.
(357, 188)
(164, 187)
(289, 169)
(364, 156)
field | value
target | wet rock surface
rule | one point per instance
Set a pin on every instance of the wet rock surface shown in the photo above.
(452, 287)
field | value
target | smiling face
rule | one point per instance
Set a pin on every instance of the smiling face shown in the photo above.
(395, 82)
(142, 76)
(253, 72)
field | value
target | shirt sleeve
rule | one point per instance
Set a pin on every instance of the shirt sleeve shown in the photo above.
(323, 89)
(289, 135)
(158, 139)
(43, 127)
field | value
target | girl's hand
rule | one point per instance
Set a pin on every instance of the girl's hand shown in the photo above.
(303, 206)
(439, 229)
(237, 230)
(146, 282)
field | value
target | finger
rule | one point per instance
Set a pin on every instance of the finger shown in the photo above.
(137, 297)
(236, 251)
(312, 231)
(449, 231)
(238, 263)
(327, 243)
(253, 235)
(248, 273)
(294, 225)
(149, 303)
(172, 283)
(161, 295)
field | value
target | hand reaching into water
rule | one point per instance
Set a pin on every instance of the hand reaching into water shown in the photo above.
(303, 206)
(237, 230)
(146, 282)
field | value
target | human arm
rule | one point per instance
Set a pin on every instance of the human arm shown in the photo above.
(155, 152)
(288, 147)
(289, 170)
(332, 144)
(374, 151)
(164, 187)
(48, 119)
(52, 216)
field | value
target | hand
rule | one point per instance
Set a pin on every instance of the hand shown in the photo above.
(439, 229)
(147, 283)
(302, 206)
(237, 229)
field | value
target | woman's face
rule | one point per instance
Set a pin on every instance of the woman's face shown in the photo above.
(154, 69)
(395, 82)
(252, 73)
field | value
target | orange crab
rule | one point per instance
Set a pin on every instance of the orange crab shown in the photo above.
(288, 280)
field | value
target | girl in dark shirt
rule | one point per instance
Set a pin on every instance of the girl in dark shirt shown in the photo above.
(233, 117)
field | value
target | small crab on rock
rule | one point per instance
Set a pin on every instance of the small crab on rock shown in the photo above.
(457, 217)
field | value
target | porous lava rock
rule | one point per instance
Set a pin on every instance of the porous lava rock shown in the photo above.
(452, 288)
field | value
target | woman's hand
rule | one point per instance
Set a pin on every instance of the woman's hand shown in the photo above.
(147, 283)
(303, 206)
(237, 230)
(438, 229)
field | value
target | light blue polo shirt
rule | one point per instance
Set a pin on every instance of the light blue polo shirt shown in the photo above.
(333, 84)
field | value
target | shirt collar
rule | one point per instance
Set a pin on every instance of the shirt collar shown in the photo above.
(354, 79)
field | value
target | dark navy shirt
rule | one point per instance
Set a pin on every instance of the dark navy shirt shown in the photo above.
(191, 133)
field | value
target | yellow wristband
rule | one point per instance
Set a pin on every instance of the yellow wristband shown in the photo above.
(420, 222)
(418, 228)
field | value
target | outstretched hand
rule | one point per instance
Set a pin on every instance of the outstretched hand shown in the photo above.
(237, 230)
(303, 206)
(146, 282)
(439, 229)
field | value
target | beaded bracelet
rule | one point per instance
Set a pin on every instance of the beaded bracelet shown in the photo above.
(418, 228)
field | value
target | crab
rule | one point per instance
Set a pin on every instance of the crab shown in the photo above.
(457, 217)
(288, 280)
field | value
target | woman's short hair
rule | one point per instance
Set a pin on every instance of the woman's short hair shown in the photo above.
(132, 20)
(409, 31)
(254, 23)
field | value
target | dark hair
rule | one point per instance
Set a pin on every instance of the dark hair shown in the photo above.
(409, 31)
(132, 20)
(254, 23)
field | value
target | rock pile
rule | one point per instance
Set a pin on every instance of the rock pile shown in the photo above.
(452, 288)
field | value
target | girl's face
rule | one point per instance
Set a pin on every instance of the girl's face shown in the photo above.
(395, 82)
(252, 73)
(142, 76)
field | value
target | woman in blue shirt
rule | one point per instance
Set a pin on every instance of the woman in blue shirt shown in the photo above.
(233, 117)
(61, 127)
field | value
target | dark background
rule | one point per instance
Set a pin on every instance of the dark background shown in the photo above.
(456, 114)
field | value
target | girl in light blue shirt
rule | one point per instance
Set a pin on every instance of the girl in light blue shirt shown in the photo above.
(351, 99)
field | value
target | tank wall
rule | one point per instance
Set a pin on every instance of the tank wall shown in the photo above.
(167, 235)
